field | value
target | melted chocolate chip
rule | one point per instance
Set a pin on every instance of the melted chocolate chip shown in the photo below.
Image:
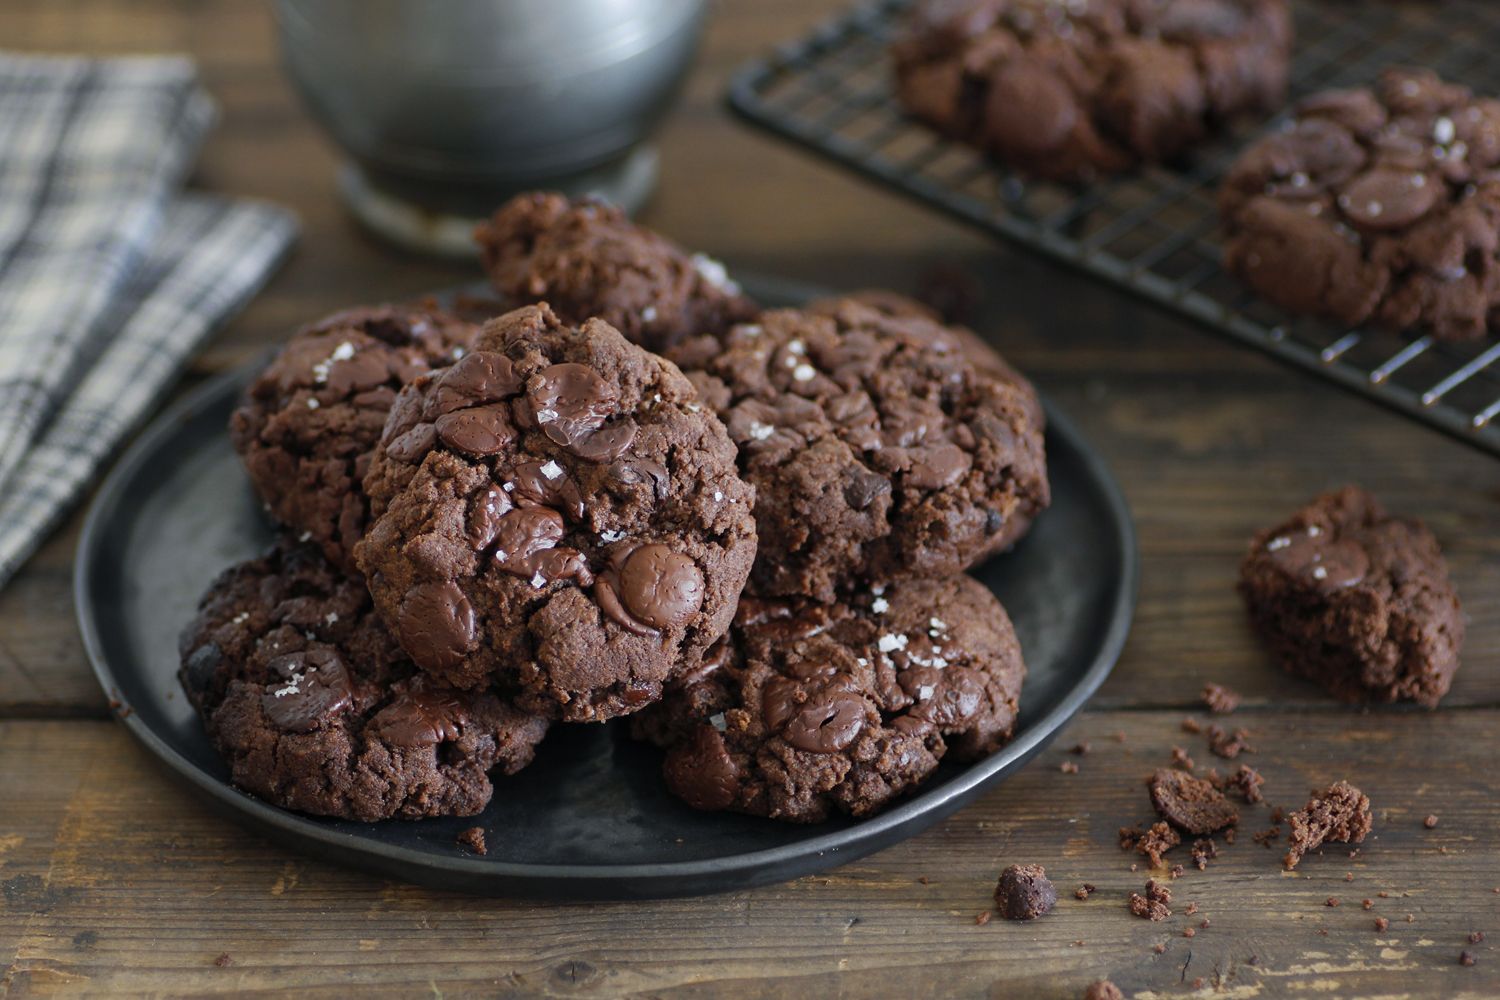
(523, 533)
(485, 512)
(547, 484)
(436, 625)
(702, 773)
(478, 378)
(365, 370)
(478, 430)
(420, 717)
(570, 402)
(411, 445)
(1385, 198)
(660, 587)
(1325, 565)
(313, 687)
(937, 466)
(820, 717)
(640, 470)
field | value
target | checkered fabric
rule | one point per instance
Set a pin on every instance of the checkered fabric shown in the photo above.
(109, 276)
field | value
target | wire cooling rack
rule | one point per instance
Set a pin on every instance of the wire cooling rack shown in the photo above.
(1154, 232)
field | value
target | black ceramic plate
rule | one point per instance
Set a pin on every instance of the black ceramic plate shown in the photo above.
(590, 819)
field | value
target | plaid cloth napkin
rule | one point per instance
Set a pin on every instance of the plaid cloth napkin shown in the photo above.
(109, 275)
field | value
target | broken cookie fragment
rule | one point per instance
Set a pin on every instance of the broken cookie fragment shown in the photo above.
(1024, 893)
(1339, 813)
(1190, 804)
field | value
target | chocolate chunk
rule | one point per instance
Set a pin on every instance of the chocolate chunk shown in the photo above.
(436, 625)
(420, 717)
(660, 587)
(1024, 893)
(311, 687)
(477, 431)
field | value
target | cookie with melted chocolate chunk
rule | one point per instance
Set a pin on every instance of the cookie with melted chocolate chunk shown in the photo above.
(1070, 91)
(307, 424)
(1356, 600)
(878, 447)
(811, 709)
(585, 259)
(559, 514)
(315, 708)
(1378, 206)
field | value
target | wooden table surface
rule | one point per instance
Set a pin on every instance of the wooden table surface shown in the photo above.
(115, 879)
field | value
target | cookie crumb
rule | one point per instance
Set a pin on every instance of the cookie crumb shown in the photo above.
(1203, 850)
(1181, 759)
(1192, 725)
(1024, 893)
(1191, 909)
(1084, 891)
(1340, 812)
(1368, 904)
(1247, 782)
(1475, 937)
(1158, 840)
(1068, 767)
(1220, 699)
(1159, 948)
(1430, 822)
(983, 917)
(1266, 836)
(1332, 901)
(1082, 748)
(1229, 745)
(472, 840)
(1466, 957)
(1382, 924)
(1188, 932)
(224, 961)
(1154, 904)
(1190, 803)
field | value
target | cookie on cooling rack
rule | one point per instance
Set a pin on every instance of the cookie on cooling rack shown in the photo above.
(811, 709)
(315, 708)
(586, 259)
(1069, 91)
(1356, 600)
(878, 448)
(1376, 206)
(307, 424)
(560, 515)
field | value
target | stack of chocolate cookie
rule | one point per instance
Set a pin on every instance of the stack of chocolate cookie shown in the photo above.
(752, 543)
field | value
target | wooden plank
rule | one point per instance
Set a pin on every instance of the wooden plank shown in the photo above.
(142, 888)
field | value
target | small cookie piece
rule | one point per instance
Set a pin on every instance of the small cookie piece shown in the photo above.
(1339, 813)
(1191, 804)
(307, 424)
(1155, 904)
(315, 708)
(557, 514)
(1103, 990)
(1024, 893)
(1376, 206)
(1069, 91)
(809, 709)
(586, 259)
(1357, 600)
(878, 450)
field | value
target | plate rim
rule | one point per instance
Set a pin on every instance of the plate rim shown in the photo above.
(88, 564)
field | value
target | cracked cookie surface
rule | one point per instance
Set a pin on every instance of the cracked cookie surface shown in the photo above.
(559, 515)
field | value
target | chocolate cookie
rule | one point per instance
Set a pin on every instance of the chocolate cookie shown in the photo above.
(878, 450)
(315, 708)
(809, 709)
(1068, 91)
(1375, 206)
(307, 424)
(557, 514)
(586, 259)
(1357, 600)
